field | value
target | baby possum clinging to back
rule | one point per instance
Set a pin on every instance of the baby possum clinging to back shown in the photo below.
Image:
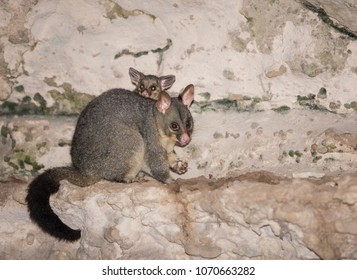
(150, 85)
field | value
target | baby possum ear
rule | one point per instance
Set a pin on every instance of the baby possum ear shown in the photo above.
(167, 81)
(135, 75)
(163, 102)
(186, 97)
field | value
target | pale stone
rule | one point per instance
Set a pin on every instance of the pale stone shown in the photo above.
(285, 36)
(290, 224)
(276, 73)
(5, 89)
(308, 174)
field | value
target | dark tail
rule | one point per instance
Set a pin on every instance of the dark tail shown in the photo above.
(38, 203)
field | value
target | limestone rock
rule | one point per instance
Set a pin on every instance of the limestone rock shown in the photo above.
(341, 11)
(5, 89)
(199, 218)
(265, 51)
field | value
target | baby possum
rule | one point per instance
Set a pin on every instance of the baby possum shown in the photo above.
(150, 85)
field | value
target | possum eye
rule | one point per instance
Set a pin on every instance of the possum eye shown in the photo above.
(174, 126)
(142, 86)
(153, 88)
(188, 124)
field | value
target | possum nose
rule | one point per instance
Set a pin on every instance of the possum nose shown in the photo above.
(185, 139)
(145, 93)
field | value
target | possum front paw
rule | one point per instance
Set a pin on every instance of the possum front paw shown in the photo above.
(179, 167)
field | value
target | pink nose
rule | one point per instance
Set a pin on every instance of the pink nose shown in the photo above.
(185, 139)
(145, 93)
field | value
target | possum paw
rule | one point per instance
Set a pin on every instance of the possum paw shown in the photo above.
(179, 167)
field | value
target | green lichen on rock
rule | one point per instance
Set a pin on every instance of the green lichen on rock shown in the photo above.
(322, 93)
(5, 131)
(310, 102)
(224, 104)
(26, 106)
(351, 105)
(128, 52)
(67, 101)
(19, 88)
(6, 137)
(296, 155)
(20, 158)
(316, 158)
(158, 50)
(23, 162)
(245, 104)
(50, 81)
(205, 95)
(218, 135)
(220, 105)
(114, 10)
(282, 109)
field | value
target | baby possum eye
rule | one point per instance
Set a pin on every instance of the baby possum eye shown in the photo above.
(142, 86)
(153, 88)
(174, 126)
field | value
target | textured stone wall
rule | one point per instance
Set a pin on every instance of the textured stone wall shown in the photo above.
(56, 54)
(252, 216)
(275, 85)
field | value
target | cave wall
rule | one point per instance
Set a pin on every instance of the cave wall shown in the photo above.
(275, 90)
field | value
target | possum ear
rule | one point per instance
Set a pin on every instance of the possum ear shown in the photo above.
(135, 75)
(167, 81)
(163, 102)
(186, 97)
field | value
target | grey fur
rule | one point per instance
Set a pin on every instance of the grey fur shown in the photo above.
(150, 85)
(118, 135)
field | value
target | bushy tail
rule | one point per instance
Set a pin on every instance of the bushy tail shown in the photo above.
(38, 202)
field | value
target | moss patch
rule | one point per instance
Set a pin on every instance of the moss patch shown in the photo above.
(26, 106)
(352, 105)
(6, 136)
(282, 109)
(310, 102)
(23, 162)
(67, 101)
(19, 88)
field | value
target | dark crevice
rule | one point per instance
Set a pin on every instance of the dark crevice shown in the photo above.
(138, 54)
(326, 19)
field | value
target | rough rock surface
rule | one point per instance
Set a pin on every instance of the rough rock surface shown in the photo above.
(57, 55)
(275, 126)
(341, 12)
(251, 216)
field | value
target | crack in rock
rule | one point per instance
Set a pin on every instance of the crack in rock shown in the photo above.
(321, 13)
(141, 53)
